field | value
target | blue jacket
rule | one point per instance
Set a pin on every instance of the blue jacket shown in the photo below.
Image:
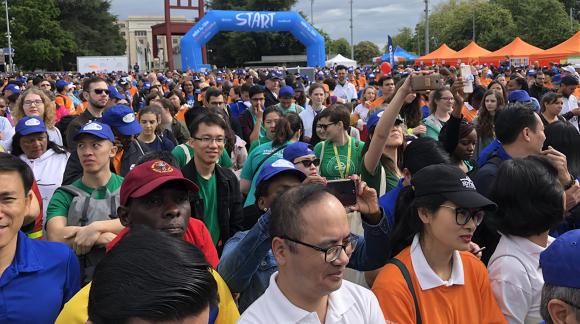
(493, 146)
(389, 200)
(247, 260)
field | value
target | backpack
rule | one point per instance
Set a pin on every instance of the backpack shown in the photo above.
(84, 210)
(493, 158)
(62, 125)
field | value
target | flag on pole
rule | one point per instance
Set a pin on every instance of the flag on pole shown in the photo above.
(391, 56)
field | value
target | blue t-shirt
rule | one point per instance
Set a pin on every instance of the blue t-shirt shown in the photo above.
(190, 100)
(161, 143)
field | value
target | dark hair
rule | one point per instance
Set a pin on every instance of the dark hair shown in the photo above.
(564, 138)
(151, 96)
(314, 139)
(330, 82)
(88, 82)
(512, 119)
(272, 109)
(386, 161)
(164, 156)
(424, 152)
(174, 283)
(286, 210)
(167, 104)
(286, 128)
(230, 135)
(337, 113)
(10, 163)
(17, 149)
(209, 119)
(246, 87)
(411, 112)
(213, 93)
(36, 81)
(264, 186)
(341, 67)
(179, 94)
(466, 128)
(384, 78)
(155, 110)
(238, 90)
(529, 196)
(256, 90)
(484, 126)
(13, 97)
(523, 83)
(477, 94)
(549, 98)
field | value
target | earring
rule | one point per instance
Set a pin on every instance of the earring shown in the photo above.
(265, 209)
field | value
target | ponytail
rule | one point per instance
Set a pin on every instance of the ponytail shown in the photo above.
(286, 128)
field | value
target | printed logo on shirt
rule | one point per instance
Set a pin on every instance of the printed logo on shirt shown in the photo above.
(333, 170)
(467, 183)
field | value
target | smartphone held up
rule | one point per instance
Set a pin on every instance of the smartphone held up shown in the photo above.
(344, 190)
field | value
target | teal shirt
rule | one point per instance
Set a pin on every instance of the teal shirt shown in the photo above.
(207, 192)
(262, 129)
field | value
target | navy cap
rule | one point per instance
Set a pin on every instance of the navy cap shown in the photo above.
(500, 67)
(530, 72)
(374, 119)
(123, 119)
(29, 125)
(114, 93)
(519, 95)
(62, 83)
(123, 81)
(297, 86)
(146, 85)
(12, 87)
(98, 129)
(297, 149)
(272, 76)
(569, 80)
(271, 169)
(286, 91)
(557, 261)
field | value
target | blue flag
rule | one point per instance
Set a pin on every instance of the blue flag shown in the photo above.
(391, 58)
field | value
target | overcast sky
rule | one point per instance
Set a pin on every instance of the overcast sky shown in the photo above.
(373, 19)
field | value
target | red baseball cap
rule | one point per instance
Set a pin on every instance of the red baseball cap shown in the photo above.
(149, 176)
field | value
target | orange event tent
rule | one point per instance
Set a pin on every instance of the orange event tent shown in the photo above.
(471, 52)
(516, 49)
(559, 52)
(433, 57)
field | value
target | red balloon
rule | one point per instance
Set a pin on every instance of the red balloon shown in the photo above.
(386, 67)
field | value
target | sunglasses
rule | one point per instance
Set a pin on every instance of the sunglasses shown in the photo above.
(324, 126)
(308, 163)
(100, 91)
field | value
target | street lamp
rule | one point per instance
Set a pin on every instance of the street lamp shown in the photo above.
(351, 33)
(312, 12)
(473, 3)
(8, 35)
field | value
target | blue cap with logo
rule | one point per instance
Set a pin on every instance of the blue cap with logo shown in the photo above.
(12, 87)
(98, 129)
(62, 83)
(29, 125)
(297, 149)
(530, 72)
(123, 81)
(146, 85)
(297, 86)
(286, 91)
(123, 119)
(219, 79)
(374, 119)
(272, 76)
(161, 78)
(556, 79)
(320, 77)
(271, 169)
(556, 261)
(519, 95)
(114, 93)
(307, 77)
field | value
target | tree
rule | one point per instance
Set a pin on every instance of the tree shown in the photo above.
(575, 5)
(36, 34)
(340, 46)
(94, 30)
(365, 51)
(405, 39)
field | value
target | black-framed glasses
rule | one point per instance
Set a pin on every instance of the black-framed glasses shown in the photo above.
(332, 253)
(100, 91)
(324, 126)
(463, 215)
(209, 140)
(308, 163)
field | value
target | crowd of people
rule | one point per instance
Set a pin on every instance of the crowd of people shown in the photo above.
(211, 197)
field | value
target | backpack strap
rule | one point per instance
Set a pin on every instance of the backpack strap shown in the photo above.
(383, 185)
(322, 151)
(407, 277)
(267, 157)
(186, 150)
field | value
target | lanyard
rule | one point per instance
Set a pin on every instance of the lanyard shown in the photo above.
(342, 175)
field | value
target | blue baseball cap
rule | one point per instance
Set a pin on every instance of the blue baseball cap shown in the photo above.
(242, 72)
(161, 78)
(350, 70)
(29, 125)
(114, 93)
(12, 87)
(139, 76)
(374, 119)
(568, 80)
(281, 165)
(286, 91)
(146, 85)
(195, 78)
(519, 95)
(98, 129)
(484, 64)
(123, 119)
(298, 86)
(300, 76)
(272, 76)
(62, 83)
(219, 79)
(321, 77)
(298, 149)
(123, 80)
(371, 76)
(556, 79)
(306, 77)
(556, 261)
(530, 72)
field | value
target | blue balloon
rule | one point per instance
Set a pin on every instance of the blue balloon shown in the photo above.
(263, 21)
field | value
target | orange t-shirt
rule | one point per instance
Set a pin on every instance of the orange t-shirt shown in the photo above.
(550, 86)
(117, 162)
(468, 114)
(133, 90)
(82, 107)
(577, 93)
(485, 82)
(472, 302)
(181, 114)
(65, 101)
(376, 103)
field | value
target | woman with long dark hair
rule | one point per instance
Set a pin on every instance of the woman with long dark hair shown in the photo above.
(410, 112)
(493, 100)
(550, 108)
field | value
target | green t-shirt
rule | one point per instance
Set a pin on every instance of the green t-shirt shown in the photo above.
(61, 201)
(374, 181)
(329, 165)
(262, 140)
(208, 192)
(179, 153)
(254, 158)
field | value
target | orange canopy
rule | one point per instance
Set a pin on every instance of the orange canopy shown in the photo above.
(433, 57)
(471, 52)
(517, 48)
(559, 52)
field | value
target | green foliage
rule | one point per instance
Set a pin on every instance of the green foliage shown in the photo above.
(95, 34)
(340, 46)
(365, 51)
(405, 39)
(37, 36)
(575, 5)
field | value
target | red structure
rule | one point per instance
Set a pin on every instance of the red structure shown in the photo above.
(168, 28)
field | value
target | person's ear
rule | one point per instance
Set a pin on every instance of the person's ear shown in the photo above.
(114, 150)
(124, 215)
(280, 250)
(559, 311)
(526, 132)
(425, 215)
(262, 204)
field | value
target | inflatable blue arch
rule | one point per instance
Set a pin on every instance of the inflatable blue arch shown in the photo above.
(262, 21)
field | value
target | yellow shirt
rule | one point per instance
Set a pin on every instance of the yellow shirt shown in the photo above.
(75, 310)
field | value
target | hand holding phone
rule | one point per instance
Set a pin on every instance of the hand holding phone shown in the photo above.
(344, 190)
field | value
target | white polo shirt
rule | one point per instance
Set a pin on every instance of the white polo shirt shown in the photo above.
(347, 91)
(517, 286)
(307, 115)
(570, 104)
(349, 304)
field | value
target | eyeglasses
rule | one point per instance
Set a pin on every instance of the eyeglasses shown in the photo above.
(308, 163)
(100, 91)
(45, 85)
(447, 99)
(35, 102)
(324, 126)
(332, 253)
(209, 140)
(463, 215)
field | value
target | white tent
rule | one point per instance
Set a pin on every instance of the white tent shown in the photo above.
(339, 59)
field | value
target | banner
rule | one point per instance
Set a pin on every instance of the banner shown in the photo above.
(391, 59)
(263, 21)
